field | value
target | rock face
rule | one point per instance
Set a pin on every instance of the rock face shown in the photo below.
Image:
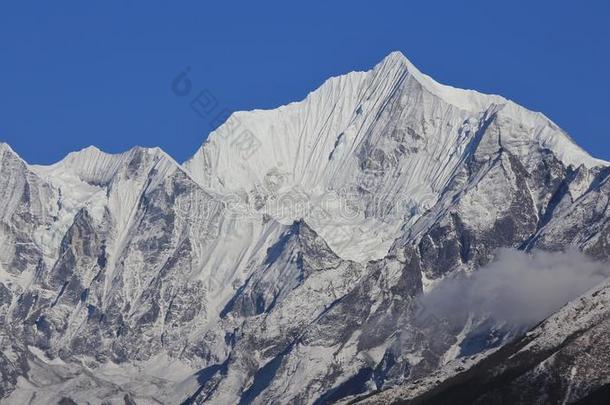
(565, 359)
(282, 263)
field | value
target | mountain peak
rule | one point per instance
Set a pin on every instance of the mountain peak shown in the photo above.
(6, 150)
(543, 131)
(396, 57)
(95, 166)
(5, 147)
(469, 100)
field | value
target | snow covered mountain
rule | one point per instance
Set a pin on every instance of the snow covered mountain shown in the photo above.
(283, 262)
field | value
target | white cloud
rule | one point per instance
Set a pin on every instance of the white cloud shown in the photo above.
(518, 288)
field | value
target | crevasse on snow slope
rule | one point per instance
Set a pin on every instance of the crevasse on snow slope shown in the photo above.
(288, 276)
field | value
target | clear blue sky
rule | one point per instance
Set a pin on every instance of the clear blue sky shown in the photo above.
(77, 73)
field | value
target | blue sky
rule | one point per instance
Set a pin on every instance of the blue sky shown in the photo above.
(79, 73)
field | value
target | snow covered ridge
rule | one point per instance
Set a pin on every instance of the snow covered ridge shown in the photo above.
(290, 274)
(392, 134)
